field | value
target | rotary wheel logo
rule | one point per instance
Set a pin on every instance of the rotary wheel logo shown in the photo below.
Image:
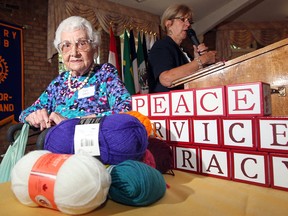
(3, 70)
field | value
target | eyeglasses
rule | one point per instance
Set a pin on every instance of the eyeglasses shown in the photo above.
(183, 19)
(81, 44)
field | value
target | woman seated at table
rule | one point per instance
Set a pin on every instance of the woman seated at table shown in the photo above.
(85, 89)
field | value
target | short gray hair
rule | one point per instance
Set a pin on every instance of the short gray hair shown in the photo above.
(73, 23)
(174, 10)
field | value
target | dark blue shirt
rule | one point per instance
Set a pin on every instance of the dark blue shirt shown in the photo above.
(164, 55)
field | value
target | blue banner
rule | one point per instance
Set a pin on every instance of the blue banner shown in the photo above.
(11, 73)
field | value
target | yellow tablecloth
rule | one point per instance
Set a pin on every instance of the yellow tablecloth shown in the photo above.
(189, 194)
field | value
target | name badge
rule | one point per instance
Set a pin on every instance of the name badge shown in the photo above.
(86, 92)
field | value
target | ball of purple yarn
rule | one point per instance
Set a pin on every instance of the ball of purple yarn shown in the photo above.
(60, 138)
(162, 153)
(121, 137)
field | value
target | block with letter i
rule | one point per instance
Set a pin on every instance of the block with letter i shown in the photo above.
(249, 99)
(279, 171)
(206, 131)
(250, 167)
(273, 134)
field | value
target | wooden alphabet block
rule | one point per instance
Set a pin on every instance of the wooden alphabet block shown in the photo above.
(141, 103)
(182, 103)
(279, 171)
(215, 162)
(273, 134)
(160, 104)
(250, 167)
(210, 101)
(159, 127)
(186, 158)
(239, 133)
(206, 131)
(179, 130)
(249, 99)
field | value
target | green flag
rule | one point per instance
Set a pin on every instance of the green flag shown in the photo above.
(127, 66)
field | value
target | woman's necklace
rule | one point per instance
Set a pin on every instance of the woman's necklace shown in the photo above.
(82, 83)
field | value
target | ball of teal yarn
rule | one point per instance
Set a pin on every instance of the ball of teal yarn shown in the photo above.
(135, 183)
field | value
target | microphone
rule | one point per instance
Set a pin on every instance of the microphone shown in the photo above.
(192, 35)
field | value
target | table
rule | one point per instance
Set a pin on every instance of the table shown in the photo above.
(188, 195)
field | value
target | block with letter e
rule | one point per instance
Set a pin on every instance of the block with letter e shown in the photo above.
(249, 99)
(273, 134)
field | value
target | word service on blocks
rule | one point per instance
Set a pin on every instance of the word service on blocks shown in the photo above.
(226, 132)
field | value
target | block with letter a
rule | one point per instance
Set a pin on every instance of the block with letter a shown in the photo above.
(215, 162)
(249, 99)
(182, 103)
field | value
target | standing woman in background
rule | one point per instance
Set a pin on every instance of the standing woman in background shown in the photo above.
(86, 89)
(167, 61)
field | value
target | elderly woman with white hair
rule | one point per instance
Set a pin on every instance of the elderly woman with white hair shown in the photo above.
(85, 89)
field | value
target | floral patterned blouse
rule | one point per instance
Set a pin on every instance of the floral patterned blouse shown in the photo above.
(103, 94)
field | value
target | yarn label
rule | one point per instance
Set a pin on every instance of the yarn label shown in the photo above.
(42, 179)
(86, 139)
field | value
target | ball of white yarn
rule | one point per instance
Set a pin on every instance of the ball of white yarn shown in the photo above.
(82, 182)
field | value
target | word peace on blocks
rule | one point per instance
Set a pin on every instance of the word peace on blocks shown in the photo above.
(249, 99)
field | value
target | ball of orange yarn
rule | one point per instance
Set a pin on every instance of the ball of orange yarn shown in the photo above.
(143, 119)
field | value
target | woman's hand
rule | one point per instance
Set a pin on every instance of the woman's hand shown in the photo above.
(39, 119)
(55, 118)
(207, 57)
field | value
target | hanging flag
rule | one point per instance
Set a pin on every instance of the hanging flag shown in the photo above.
(113, 57)
(127, 66)
(134, 62)
(142, 71)
(145, 49)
